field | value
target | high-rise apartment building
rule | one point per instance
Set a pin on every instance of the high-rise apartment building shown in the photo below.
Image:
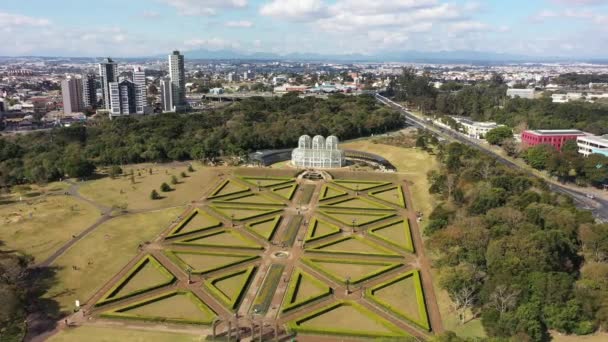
(141, 92)
(122, 98)
(108, 73)
(71, 90)
(89, 91)
(178, 78)
(166, 90)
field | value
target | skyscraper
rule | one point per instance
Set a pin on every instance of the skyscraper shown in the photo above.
(178, 78)
(166, 91)
(71, 89)
(141, 92)
(108, 72)
(122, 98)
(89, 91)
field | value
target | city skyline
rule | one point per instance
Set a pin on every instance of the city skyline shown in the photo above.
(141, 28)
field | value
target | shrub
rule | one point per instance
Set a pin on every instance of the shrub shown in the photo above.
(154, 195)
(174, 180)
(115, 170)
(184, 175)
(190, 168)
(165, 187)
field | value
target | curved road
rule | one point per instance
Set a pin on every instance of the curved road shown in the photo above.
(598, 206)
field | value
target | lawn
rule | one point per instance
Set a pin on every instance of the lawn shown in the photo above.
(396, 233)
(286, 191)
(265, 228)
(147, 274)
(306, 192)
(318, 229)
(356, 218)
(392, 195)
(304, 288)
(223, 238)
(200, 220)
(359, 185)
(91, 333)
(45, 224)
(202, 262)
(291, 232)
(328, 192)
(249, 198)
(266, 292)
(120, 191)
(31, 191)
(239, 213)
(357, 271)
(353, 245)
(104, 252)
(401, 294)
(356, 203)
(180, 306)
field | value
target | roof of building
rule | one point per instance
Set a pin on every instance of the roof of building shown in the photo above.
(596, 139)
(556, 132)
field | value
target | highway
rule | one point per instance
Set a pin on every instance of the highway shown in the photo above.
(598, 206)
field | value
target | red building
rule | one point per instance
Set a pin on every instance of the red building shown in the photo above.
(553, 137)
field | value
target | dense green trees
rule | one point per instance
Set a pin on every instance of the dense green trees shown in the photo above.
(12, 296)
(522, 258)
(498, 135)
(255, 123)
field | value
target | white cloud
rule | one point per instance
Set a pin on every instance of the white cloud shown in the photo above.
(203, 7)
(241, 23)
(150, 14)
(210, 44)
(468, 26)
(295, 9)
(12, 20)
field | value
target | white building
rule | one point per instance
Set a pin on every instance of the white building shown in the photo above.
(522, 93)
(590, 144)
(141, 91)
(475, 129)
(317, 153)
(122, 98)
(71, 91)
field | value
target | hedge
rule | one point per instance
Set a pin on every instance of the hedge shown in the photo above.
(375, 184)
(266, 292)
(407, 231)
(176, 231)
(229, 200)
(222, 185)
(312, 227)
(399, 192)
(291, 193)
(187, 242)
(109, 296)
(119, 313)
(387, 267)
(379, 216)
(219, 210)
(294, 286)
(295, 325)
(423, 322)
(326, 188)
(232, 304)
(277, 221)
(342, 200)
(173, 256)
(252, 180)
(388, 253)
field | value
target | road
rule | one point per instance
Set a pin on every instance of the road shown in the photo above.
(598, 206)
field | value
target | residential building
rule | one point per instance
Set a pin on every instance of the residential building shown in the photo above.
(108, 73)
(71, 90)
(553, 137)
(177, 74)
(166, 90)
(475, 129)
(89, 91)
(122, 98)
(591, 144)
(141, 92)
(522, 93)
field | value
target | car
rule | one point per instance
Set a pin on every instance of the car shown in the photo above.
(590, 196)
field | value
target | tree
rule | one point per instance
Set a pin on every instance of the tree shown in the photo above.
(115, 171)
(503, 298)
(174, 180)
(595, 168)
(183, 175)
(538, 156)
(165, 187)
(190, 168)
(462, 284)
(498, 135)
(595, 240)
(154, 195)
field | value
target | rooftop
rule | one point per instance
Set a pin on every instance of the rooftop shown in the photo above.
(557, 132)
(596, 139)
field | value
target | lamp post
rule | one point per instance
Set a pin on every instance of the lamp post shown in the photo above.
(354, 225)
(348, 285)
(259, 188)
(189, 271)
(357, 189)
(232, 219)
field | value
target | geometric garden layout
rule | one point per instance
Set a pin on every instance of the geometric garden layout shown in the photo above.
(278, 255)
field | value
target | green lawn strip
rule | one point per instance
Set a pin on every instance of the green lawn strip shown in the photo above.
(265, 228)
(307, 191)
(388, 198)
(340, 319)
(295, 298)
(395, 307)
(329, 192)
(346, 216)
(286, 191)
(147, 261)
(233, 259)
(315, 228)
(249, 199)
(316, 264)
(359, 203)
(291, 232)
(353, 245)
(400, 233)
(246, 213)
(206, 311)
(266, 182)
(223, 189)
(179, 229)
(359, 185)
(264, 296)
(224, 238)
(232, 300)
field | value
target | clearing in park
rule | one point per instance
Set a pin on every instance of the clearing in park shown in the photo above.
(333, 258)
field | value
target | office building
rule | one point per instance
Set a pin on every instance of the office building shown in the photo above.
(141, 92)
(554, 137)
(122, 98)
(475, 129)
(166, 90)
(178, 79)
(523, 93)
(108, 73)
(71, 90)
(592, 144)
(89, 91)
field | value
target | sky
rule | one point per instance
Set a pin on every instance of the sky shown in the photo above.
(137, 28)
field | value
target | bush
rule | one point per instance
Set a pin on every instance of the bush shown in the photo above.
(174, 180)
(190, 168)
(115, 170)
(154, 195)
(165, 187)
(184, 175)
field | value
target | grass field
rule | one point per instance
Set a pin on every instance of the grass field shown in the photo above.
(224, 238)
(43, 226)
(402, 294)
(31, 191)
(306, 193)
(355, 218)
(347, 269)
(179, 306)
(202, 262)
(353, 245)
(396, 233)
(302, 288)
(120, 191)
(91, 333)
(95, 265)
(356, 203)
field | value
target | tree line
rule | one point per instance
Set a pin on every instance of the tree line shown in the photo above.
(513, 253)
(253, 124)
